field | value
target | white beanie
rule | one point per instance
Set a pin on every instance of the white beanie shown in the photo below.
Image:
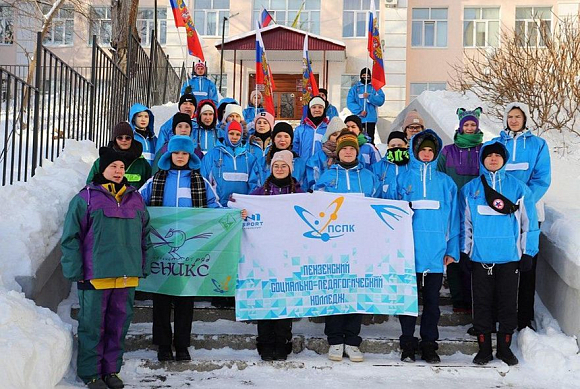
(284, 156)
(335, 125)
(206, 108)
(316, 100)
(233, 108)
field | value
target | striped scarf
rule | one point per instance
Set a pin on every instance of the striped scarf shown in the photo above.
(198, 195)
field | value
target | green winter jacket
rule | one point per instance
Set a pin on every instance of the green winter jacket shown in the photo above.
(137, 174)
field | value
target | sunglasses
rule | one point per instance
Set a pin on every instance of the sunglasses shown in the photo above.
(124, 137)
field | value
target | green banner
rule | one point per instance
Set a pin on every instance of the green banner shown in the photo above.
(195, 251)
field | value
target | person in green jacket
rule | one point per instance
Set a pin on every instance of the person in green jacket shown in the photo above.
(105, 249)
(138, 170)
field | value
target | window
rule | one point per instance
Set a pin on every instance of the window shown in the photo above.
(346, 82)
(355, 18)
(285, 11)
(429, 27)
(216, 79)
(420, 87)
(209, 15)
(60, 32)
(146, 23)
(100, 25)
(481, 27)
(6, 26)
(529, 21)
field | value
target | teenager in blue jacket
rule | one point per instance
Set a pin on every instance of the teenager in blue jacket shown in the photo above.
(187, 104)
(253, 109)
(368, 152)
(141, 120)
(433, 198)
(529, 162)
(363, 100)
(230, 167)
(396, 160)
(326, 156)
(499, 237)
(261, 138)
(308, 135)
(199, 85)
(331, 111)
(206, 134)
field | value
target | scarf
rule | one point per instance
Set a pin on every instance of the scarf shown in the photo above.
(398, 155)
(348, 165)
(465, 141)
(198, 195)
(362, 139)
(263, 136)
(329, 148)
(281, 182)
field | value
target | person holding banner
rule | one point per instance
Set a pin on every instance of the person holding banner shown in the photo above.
(433, 198)
(308, 134)
(395, 161)
(261, 138)
(363, 100)
(105, 249)
(274, 341)
(178, 183)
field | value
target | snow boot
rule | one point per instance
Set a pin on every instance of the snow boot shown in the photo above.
(282, 350)
(97, 383)
(182, 354)
(113, 381)
(429, 353)
(504, 352)
(408, 351)
(266, 351)
(485, 354)
(164, 354)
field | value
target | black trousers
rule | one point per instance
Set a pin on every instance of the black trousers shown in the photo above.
(182, 317)
(370, 129)
(429, 285)
(459, 286)
(272, 332)
(343, 329)
(526, 294)
(497, 285)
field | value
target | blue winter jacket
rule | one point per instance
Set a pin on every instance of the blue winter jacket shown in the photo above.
(488, 236)
(308, 138)
(355, 101)
(202, 88)
(331, 111)
(354, 180)
(249, 113)
(387, 173)
(166, 132)
(230, 170)
(149, 143)
(433, 197)
(368, 155)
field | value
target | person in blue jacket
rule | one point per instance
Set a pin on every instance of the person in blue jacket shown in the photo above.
(141, 120)
(433, 198)
(363, 101)
(529, 162)
(187, 104)
(261, 139)
(368, 152)
(326, 156)
(206, 134)
(308, 135)
(180, 125)
(395, 161)
(178, 183)
(199, 85)
(230, 167)
(254, 107)
(331, 110)
(499, 236)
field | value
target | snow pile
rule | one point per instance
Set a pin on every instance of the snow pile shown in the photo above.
(162, 113)
(35, 345)
(32, 213)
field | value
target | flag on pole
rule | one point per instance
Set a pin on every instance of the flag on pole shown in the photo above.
(375, 51)
(183, 19)
(297, 18)
(309, 86)
(265, 18)
(263, 73)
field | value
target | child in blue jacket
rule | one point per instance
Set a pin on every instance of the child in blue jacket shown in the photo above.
(141, 120)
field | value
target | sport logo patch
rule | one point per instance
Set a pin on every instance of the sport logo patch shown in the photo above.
(498, 204)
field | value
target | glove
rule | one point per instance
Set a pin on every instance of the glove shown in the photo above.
(465, 263)
(526, 262)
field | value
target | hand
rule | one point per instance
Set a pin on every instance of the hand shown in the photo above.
(526, 263)
(365, 95)
(244, 213)
(363, 114)
(448, 259)
(466, 263)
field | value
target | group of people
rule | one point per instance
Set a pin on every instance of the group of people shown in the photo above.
(474, 213)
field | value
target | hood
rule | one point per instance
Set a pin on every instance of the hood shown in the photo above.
(416, 140)
(516, 104)
(198, 116)
(482, 169)
(135, 109)
(222, 106)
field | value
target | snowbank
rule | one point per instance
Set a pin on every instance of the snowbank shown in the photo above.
(32, 213)
(162, 113)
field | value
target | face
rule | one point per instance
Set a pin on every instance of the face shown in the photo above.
(199, 70)
(280, 169)
(207, 117)
(183, 128)
(262, 126)
(469, 127)
(426, 154)
(412, 130)
(257, 100)
(124, 142)
(187, 108)
(180, 158)
(234, 136)
(115, 171)
(282, 140)
(333, 136)
(353, 128)
(396, 142)
(347, 154)
(317, 110)
(142, 119)
(234, 116)
(515, 120)
(323, 95)
(493, 162)
(365, 76)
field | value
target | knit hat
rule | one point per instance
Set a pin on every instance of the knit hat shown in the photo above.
(356, 120)
(179, 143)
(335, 125)
(316, 100)
(233, 126)
(187, 97)
(122, 128)
(285, 156)
(465, 116)
(107, 156)
(253, 94)
(496, 148)
(223, 103)
(413, 117)
(322, 90)
(397, 135)
(346, 138)
(233, 108)
(265, 115)
(180, 118)
(206, 108)
(199, 65)
(283, 127)
(427, 143)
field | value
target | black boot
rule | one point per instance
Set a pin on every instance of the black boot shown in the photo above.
(504, 352)
(282, 350)
(113, 381)
(182, 354)
(165, 354)
(266, 351)
(408, 350)
(485, 354)
(429, 353)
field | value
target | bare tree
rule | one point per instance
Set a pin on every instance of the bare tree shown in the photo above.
(541, 70)
(124, 21)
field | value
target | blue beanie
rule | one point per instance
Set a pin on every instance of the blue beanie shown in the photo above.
(179, 143)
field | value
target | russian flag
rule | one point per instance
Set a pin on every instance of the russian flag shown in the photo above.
(179, 21)
(265, 18)
(375, 50)
(309, 86)
(263, 73)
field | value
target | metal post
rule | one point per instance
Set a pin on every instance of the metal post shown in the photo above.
(222, 53)
(93, 93)
(37, 86)
(151, 60)
(165, 81)
(128, 73)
